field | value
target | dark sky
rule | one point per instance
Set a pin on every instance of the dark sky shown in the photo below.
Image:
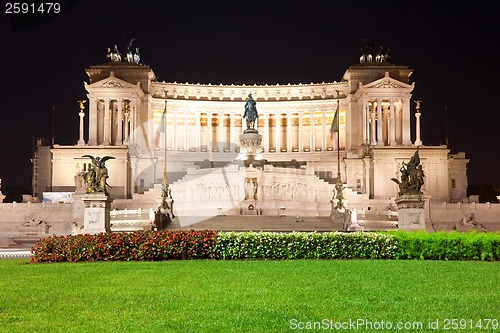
(454, 52)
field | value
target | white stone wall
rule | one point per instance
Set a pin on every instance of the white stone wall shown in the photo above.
(13, 216)
(447, 215)
(68, 161)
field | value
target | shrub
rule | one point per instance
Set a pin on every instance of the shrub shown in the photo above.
(303, 245)
(447, 246)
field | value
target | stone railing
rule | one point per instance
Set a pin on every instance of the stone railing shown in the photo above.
(132, 219)
(452, 213)
(465, 206)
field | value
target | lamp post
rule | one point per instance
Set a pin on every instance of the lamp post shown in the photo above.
(167, 193)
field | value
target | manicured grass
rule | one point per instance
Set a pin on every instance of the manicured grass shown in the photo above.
(243, 296)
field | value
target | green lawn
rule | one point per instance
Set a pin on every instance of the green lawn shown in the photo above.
(247, 296)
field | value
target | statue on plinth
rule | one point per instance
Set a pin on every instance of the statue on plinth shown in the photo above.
(250, 114)
(96, 178)
(412, 177)
(250, 140)
(410, 200)
(164, 215)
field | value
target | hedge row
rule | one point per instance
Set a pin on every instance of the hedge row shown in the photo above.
(447, 246)
(178, 245)
(303, 245)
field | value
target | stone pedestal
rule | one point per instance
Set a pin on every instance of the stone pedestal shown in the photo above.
(77, 211)
(250, 146)
(411, 212)
(341, 218)
(96, 217)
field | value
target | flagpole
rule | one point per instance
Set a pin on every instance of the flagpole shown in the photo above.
(338, 137)
(166, 187)
(338, 184)
(165, 213)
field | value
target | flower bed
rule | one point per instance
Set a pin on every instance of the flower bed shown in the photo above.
(126, 246)
(181, 245)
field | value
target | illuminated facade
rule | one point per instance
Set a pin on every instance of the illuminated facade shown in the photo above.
(203, 124)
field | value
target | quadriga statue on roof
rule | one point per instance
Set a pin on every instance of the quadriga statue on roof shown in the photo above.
(96, 177)
(412, 177)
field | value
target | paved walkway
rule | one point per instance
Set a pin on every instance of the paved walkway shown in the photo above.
(257, 223)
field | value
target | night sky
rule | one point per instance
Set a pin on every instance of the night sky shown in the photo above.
(454, 52)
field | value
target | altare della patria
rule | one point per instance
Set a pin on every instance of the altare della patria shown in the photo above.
(341, 155)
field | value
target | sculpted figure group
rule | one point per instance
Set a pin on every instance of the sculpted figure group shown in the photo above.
(114, 54)
(95, 179)
(412, 177)
(368, 53)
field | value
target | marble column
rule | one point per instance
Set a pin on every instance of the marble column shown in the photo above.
(312, 129)
(301, 128)
(174, 130)
(365, 122)
(406, 122)
(92, 121)
(220, 132)
(278, 132)
(323, 130)
(125, 124)
(373, 135)
(209, 130)
(289, 131)
(266, 132)
(231, 130)
(186, 131)
(380, 123)
(418, 142)
(198, 131)
(392, 127)
(119, 123)
(106, 122)
(133, 123)
(81, 141)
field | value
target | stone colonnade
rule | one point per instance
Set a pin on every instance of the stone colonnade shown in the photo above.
(386, 121)
(111, 120)
(219, 132)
